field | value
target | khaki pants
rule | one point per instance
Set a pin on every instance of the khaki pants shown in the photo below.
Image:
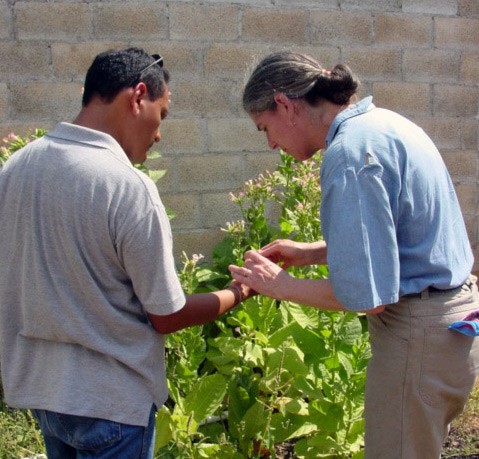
(420, 374)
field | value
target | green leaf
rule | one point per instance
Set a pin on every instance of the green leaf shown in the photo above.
(305, 317)
(206, 397)
(351, 330)
(290, 359)
(310, 343)
(156, 175)
(290, 426)
(154, 155)
(253, 354)
(306, 387)
(164, 432)
(345, 361)
(238, 404)
(254, 421)
(208, 275)
(282, 335)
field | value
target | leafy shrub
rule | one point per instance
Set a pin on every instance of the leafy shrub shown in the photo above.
(269, 372)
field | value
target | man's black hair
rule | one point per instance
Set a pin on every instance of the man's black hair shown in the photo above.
(113, 71)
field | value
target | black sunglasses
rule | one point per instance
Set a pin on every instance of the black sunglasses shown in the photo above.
(158, 60)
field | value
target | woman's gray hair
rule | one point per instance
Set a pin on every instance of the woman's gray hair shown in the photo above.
(298, 76)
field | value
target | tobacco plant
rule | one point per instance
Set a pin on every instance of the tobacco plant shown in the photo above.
(269, 372)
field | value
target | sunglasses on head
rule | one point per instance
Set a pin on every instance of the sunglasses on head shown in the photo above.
(158, 60)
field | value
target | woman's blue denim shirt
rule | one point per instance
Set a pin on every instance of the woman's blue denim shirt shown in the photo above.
(389, 214)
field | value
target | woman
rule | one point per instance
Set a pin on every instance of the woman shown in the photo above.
(394, 241)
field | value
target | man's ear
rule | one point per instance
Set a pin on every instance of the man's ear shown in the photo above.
(137, 95)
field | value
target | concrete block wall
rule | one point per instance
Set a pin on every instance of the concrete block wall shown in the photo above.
(418, 57)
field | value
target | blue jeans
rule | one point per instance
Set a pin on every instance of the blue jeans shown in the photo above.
(77, 437)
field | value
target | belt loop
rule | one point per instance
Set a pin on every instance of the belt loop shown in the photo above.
(425, 294)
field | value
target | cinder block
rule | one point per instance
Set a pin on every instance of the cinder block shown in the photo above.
(179, 136)
(372, 5)
(22, 61)
(403, 30)
(217, 210)
(467, 194)
(472, 223)
(167, 183)
(209, 172)
(430, 65)
(374, 64)
(470, 133)
(457, 33)
(200, 242)
(461, 164)
(198, 22)
(274, 25)
(135, 20)
(409, 99)
(433, 7)
(71, 61)
(206, 98)
(33, 102)
(47, 21)
(238, 134)
(475, 251)
(4, 105)
(327, 56)
(451, 100)
(340, 28)
(470, 68)
(469, 8)
(260, 163)
(320, 4)
(445, 132)
(182, 59)
(6, 21)
(233, 60)
(244, 2)
(186, 208)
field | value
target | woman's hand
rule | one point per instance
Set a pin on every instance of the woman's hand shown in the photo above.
(262, 275)
(291, 253)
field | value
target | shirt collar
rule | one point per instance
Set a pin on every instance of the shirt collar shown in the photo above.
(361, 107)
(90, 137)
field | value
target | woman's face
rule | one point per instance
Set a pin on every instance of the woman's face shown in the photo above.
(292, 134)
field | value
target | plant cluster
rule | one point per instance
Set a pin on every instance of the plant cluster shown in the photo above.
(13, 142)
(269, 372)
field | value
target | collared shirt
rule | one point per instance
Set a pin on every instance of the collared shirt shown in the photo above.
(390, 215)
(85, 253)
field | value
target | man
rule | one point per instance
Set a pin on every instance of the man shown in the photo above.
(87, 277)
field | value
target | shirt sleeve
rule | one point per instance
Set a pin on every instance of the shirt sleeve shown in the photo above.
(148, 258)
(359, 230)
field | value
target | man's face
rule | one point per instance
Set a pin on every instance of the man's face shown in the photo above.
(147, 126)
